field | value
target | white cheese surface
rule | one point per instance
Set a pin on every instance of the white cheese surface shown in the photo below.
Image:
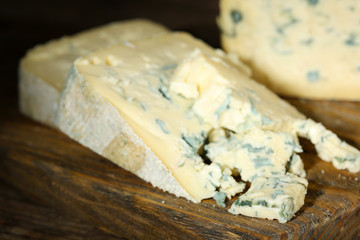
(52, 61)
(302, 48)
(44, 69)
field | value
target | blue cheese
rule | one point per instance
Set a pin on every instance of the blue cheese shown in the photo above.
(329, 147)
(188, 119)
(44, 69)
(300, 48)
(272, 198)
(220, 180)
(256, 153)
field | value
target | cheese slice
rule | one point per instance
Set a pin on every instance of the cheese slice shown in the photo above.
(44, 69)
(301, 48)
(188, 119)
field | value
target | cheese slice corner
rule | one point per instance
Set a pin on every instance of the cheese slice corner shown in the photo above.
(43, 70)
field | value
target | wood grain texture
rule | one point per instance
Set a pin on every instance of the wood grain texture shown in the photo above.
(21, 218)
(50, 167)
(55, 171)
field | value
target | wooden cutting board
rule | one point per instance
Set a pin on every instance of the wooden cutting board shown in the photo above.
(48, 166)
(52, 169)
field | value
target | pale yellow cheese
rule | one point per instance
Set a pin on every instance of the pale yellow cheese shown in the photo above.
(133, 88)
(136, 82)
(44, 69)
(272, 198)
(301, 48)
(188, 119)
(256, 153)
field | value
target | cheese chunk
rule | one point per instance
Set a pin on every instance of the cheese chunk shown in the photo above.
(329, 147)
(44, 69)
(186, 118)
(256, 153)
(272, 198)
(301, 48)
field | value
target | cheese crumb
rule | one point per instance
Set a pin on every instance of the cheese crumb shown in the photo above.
(95, 60)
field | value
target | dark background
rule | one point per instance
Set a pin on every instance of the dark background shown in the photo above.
(24, 24)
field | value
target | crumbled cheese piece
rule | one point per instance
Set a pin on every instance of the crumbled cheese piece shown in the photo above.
(272, 198)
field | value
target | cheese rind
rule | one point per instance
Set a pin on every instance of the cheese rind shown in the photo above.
(138, 90)
(101, 128)
(44, 69)
(297, 48)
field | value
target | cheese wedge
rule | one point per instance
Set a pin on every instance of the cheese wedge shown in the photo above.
(44, 69)
(188, 119)
(301, 48)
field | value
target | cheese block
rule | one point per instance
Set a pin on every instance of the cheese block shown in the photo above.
(44, 69)
(188, 119)
(301, 48)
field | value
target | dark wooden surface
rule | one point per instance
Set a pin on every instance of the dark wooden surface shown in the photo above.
(24, 218)
(53, 188)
